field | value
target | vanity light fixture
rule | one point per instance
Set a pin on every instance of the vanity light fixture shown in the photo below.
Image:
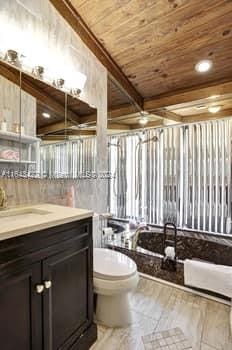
(203, 66)
(214, 109)
(73, 82)
(46, 115)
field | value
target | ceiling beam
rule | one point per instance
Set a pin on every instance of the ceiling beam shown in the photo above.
(165, 114)
(121, 110)
(152, 124)
(64, 137)
(53, 128)
(70, 14)
(113, 113)
(188, 95)
(89, 119)
(207, 116)
(118, 126)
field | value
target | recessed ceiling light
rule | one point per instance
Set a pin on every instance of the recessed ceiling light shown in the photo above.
(214, 109)
(46, 115)
(203, 66)
(143, 120)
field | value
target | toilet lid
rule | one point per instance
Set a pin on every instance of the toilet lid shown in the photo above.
(112, 265)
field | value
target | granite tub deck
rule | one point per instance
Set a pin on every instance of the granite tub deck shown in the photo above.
(210, 247)
(191, 245)
(150, 263)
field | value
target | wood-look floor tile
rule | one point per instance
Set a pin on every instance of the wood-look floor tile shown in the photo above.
(158, 307)
(187, 312)
(129, 338)
(216, 331)
(207, 347)
(150, 298)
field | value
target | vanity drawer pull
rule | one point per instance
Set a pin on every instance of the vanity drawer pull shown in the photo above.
(39, 288)
(47, 284)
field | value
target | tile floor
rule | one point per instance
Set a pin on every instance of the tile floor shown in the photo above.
(158, 308)
(171, 339)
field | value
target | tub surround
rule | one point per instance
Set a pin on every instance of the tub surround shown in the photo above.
(149, 263)
(27, 219)
(190, 244)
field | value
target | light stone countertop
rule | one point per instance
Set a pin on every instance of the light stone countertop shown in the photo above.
(23, 220)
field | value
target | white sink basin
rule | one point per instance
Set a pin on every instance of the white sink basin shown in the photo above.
(22, 212)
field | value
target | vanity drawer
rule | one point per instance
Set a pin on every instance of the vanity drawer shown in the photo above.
(34, 246)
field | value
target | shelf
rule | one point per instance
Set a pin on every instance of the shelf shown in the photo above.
(12, 136)
(17, 161)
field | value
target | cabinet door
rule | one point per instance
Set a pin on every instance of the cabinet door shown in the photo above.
(21, 310)
(68, 302)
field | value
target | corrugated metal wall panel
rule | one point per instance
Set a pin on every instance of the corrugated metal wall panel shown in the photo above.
(184, 177)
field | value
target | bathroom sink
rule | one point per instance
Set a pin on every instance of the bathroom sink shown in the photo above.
(22, 212)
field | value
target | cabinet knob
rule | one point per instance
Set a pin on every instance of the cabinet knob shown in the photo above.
(47, 284)
(39, 288)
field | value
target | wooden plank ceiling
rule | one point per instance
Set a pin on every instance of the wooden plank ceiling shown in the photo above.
(150, 49)
(156, 43)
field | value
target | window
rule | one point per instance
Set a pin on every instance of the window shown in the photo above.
(180, 173)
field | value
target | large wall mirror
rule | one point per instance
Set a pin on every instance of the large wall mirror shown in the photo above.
(41, 126)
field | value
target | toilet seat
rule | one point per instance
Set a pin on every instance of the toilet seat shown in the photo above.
(112, 265)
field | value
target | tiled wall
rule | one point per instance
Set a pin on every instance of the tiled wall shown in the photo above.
(22, 191)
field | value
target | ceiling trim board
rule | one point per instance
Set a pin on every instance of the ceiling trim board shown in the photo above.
(207, 116)
(152, 124)
(188, 95)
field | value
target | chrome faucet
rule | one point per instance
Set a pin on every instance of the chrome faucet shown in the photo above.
(141, 228)
(3, 199)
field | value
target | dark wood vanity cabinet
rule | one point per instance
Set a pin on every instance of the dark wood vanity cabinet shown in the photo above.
(46, 289)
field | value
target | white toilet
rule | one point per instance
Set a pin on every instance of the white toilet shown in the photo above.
(115, 275)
